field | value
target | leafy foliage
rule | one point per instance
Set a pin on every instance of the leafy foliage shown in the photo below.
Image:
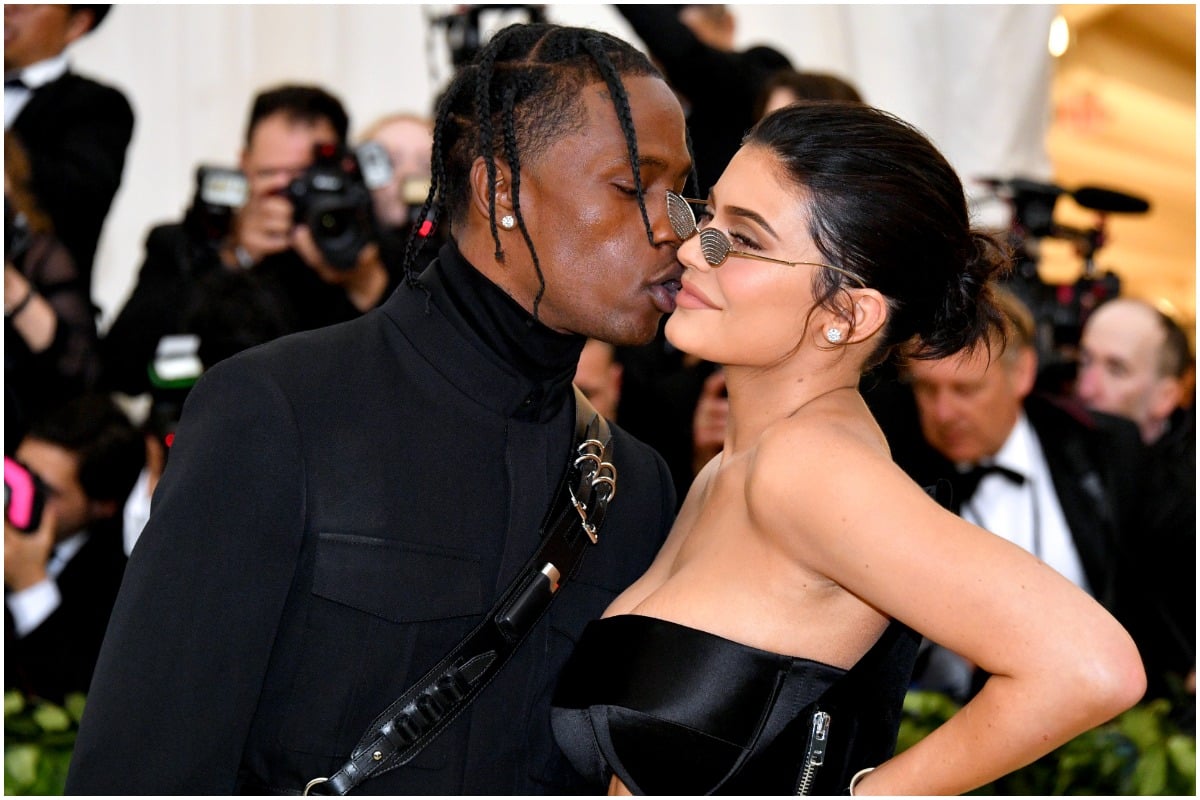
(38, 739)
(1141, 752)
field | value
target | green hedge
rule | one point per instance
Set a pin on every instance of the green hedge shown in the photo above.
(1141, 752)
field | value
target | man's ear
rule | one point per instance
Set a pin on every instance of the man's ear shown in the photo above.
(1165, 396)
(79, 23)
(481, 189)
(870, 313)
(1024, 369)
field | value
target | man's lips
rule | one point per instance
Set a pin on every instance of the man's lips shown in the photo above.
(663, 294)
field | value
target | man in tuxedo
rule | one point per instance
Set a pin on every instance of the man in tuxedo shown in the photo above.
(61, 578)
(1052, 478)
(1135, 362)
(75, 129)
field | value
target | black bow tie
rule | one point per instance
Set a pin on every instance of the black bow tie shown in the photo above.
(965, 483)
(15, 82)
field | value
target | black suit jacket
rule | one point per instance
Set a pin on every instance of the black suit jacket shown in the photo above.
(1095, 461)
(58, 656)
(76, 132)
(339, 509)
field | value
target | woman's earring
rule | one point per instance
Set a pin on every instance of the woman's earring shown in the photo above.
(833, 335)
(508, 222)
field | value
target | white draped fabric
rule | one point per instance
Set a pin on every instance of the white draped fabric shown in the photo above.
(975, 78)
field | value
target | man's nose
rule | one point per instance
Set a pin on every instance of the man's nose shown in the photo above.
(943, 407)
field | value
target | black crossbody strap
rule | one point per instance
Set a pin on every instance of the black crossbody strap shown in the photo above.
(429, 705)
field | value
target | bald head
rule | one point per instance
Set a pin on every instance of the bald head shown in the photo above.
(1132, 360)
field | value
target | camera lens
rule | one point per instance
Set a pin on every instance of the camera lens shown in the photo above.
(333, 224)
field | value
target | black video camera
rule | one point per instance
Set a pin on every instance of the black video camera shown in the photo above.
(24, 496)
(333, 198)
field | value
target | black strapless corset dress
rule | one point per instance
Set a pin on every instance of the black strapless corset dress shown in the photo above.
(674, 710)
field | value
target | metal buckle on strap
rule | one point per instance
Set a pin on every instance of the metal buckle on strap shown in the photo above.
(605, 475)
(314, 782)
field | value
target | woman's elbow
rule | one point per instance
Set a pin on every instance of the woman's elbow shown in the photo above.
(1115, 678)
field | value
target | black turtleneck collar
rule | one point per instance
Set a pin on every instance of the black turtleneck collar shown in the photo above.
(510, 334)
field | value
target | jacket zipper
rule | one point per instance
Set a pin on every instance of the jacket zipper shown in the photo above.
(814, 753)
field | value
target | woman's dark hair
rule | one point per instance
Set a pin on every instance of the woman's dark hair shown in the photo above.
(884, 204)
(523, 92)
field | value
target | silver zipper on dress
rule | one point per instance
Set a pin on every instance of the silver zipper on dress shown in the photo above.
(814, 754)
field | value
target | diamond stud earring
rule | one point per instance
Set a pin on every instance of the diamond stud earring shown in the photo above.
(508, 222)
(833, 335)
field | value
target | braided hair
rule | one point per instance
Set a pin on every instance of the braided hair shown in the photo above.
(521, 94)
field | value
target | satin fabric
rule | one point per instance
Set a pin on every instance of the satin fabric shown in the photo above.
(674, 710)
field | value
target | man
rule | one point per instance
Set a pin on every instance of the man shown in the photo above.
(75, 129)
(188, 263)
(1134, 363)
(61, 578)
(341, 507)
(1056, 481)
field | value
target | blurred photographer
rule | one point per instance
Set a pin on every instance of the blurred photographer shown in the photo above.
(49, 329)
(63, 558)
(296, 217)
(408, 141)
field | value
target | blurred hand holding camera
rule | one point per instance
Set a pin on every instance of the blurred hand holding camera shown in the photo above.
(263, 226)
(364, 282)
(26, 553)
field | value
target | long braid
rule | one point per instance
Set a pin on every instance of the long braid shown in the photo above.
(514, 159)
(437, 181)
(620, 100)
(483, 113)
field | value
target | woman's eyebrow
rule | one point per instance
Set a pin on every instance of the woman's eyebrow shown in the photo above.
(738, 211)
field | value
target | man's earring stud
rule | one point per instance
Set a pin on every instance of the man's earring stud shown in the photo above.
(508, 222)
(833, 335)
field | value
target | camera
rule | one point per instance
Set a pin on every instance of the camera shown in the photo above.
(220, 192)
(333, 198)
(24, 496)
(16, 233)
(1060, 310)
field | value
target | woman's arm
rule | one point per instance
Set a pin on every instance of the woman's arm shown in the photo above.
(1059, 663)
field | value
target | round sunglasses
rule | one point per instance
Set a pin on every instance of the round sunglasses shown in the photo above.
(715, 245)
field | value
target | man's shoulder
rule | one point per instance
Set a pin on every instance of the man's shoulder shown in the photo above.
(75, 93)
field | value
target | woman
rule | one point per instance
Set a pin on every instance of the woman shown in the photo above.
(768, 647)
(50, 327)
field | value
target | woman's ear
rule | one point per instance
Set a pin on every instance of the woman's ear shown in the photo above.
(481, 189)
(870, 312)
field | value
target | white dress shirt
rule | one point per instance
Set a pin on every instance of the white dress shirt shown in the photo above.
(31, 606)
(1028, 515)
